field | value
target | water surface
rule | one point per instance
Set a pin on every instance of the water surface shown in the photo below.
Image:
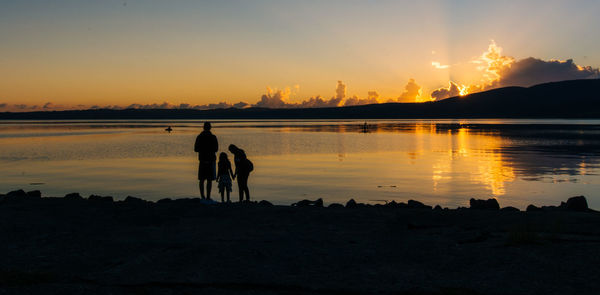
(444, 162)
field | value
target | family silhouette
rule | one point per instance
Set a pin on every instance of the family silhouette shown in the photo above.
(207, 146)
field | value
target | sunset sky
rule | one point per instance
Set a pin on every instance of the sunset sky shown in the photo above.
(106, 53)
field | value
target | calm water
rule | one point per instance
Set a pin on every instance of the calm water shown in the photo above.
(444, 162)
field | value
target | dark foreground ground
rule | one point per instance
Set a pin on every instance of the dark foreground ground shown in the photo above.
(81, 246)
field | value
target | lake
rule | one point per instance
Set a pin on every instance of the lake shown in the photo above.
(444, 162)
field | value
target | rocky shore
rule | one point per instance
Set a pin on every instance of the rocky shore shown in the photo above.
(95, 245)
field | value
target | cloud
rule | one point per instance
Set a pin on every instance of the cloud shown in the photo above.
(442, 93)
(438, 65)
(319, 102)
(531, 71)
(340, 90)
(499, 70)
(412, 92)
(3, 105)
(241, 105)
(274, 98)
(48, 106)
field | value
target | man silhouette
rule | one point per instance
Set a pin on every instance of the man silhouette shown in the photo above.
(206, 146)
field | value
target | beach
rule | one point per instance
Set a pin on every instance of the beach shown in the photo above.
(95, 245)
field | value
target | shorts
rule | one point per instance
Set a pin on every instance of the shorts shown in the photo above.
(207, 170)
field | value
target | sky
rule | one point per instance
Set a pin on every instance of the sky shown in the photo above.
(88, 54)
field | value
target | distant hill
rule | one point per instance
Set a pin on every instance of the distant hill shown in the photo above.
(566, 99)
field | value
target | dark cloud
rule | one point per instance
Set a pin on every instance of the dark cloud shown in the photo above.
(3, 105)
(531, 71)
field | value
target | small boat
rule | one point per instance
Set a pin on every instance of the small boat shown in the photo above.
(169, 129)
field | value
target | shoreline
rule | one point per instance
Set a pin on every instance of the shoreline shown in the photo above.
(98, 246)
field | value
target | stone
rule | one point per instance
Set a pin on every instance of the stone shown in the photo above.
(578, 203)
(335, 205)
(17, 193)
(265, 203)
(510, 209)
(532, 208)
(34, 194)
(351, 204)
(95, 198)
(134, 200)
(417, 205)
(73, 196)
(489, 204)
(309, 203)
(437, 208)
(164, 201)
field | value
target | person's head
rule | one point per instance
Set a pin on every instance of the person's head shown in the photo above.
(233, 148)
(207, 126)
(223, 157)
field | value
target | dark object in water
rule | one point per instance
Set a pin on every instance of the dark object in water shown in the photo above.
(309, 203)
(169, 129)
(489, 204)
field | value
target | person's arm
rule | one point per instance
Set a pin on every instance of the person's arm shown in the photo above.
(215, 144)
(197, 144)
(231, 172)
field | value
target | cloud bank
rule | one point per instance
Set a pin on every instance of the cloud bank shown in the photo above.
(499, 70)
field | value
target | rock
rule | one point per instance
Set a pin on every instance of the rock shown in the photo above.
(392, 204)
(134, 200)
(95, 198)
(578, 203)
(437, 208)
(265, 203)
(17, 194)
(309, 203)
(34, 194)
(417, 205)
(351, 204)
(489, 204)
(510, 209)
(532, 208)
(73, 196)
(335, 205)
(164, 201)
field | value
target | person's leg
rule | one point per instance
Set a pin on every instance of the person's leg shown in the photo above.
(240, 189)
(228, 200)
(208, 188)
(202, 188)
(243, 183)
(222, 196)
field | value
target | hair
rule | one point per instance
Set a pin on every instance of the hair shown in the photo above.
(207, 126)
(233, 148)
(223, 157)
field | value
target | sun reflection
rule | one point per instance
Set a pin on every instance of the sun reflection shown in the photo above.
(485, 165)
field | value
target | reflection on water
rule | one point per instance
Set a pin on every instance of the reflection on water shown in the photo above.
(446, 162)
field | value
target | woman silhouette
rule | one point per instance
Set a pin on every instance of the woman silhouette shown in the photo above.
(243, 167)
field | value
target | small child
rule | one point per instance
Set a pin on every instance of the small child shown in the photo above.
(224, 176)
